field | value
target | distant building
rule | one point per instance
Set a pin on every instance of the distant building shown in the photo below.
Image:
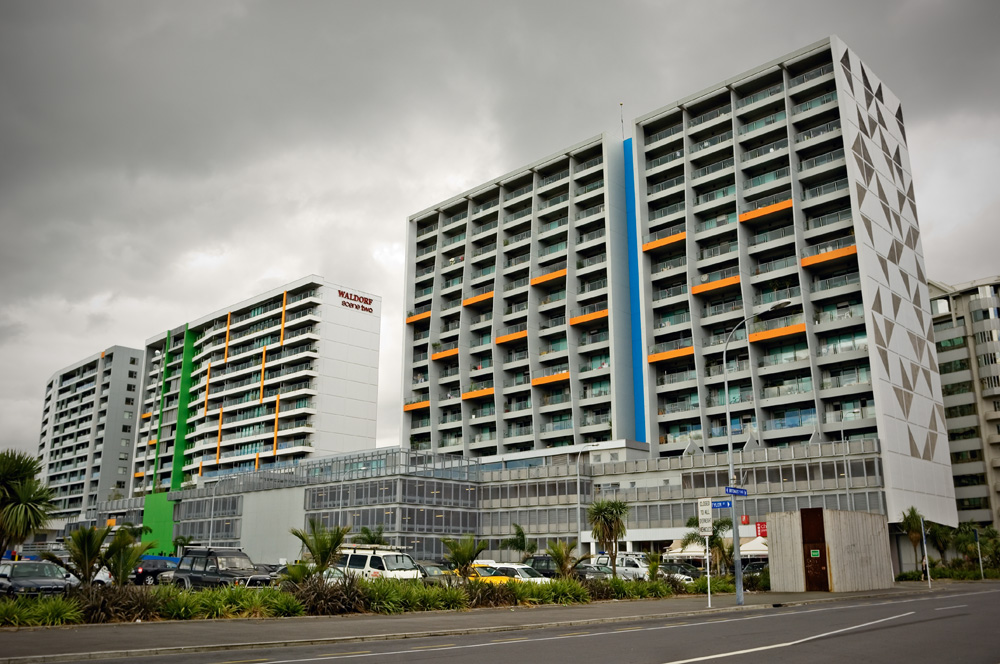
(89, 418)
(967, 335)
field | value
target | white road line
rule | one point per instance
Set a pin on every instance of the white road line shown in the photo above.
(945, 608)
(785, 645)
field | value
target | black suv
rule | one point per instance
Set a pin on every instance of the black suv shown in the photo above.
(544, 565)
(148, 572)
(209, 568)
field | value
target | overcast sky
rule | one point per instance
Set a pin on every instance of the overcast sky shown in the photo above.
(160, 161)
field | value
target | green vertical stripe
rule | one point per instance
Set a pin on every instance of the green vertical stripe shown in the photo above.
(183, 399)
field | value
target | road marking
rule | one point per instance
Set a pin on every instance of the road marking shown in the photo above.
(520, 638)
(339, 654)
(945, 608)
(243, 661)
(789, 643)
(627, 629)
(443, 645)
(574, 633)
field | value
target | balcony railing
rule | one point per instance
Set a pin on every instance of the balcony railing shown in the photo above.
(676, 377)
(813, 103)
(716, 275)
(710, 115)
(557, 321)
(485, 249)
(810, 75)
(783, 358)
(716, 195)
(764, 178)
(720, 249)
(597, 209)
(828, 188)
(765, 149)
(673, 291)
(555, 177)
(807, 419)
(830, 245)
(520, 191)
(836, 282)
(664, 159)
(551, 226)
(662, 266)
(488, 226)
(827, 219)
(778, 264)
(777, 295)
(673, 319)
(456, 217)
(714, 140)
(767, 200)
(664, 133)
(666, 184)
(593, 260)
(667, 346)
(517, 215)
(426, 229)
(590, 286)
(842, 347)
(718, 221)
(778, 323)
(825, 158)
(486, 206)
(592, 235)
(723, 308)
(552, 249)
(802, 386)
(550, 202)
(834, 125)
(512, 329)
(773, 234)
(760, 95)
(664, 211)
(734, 367)
(763, 122)
(670, 407)
(853, 311)
(833, 382)
(719, 339)
(516, 284)
(849, 414)
(562, 425)
(711, 168)
(587, 188)
(590, 163)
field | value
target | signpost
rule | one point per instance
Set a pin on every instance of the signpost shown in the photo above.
(720, 504)
(705, 530)
(733, 491)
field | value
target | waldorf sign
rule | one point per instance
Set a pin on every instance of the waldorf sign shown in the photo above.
(355, 301)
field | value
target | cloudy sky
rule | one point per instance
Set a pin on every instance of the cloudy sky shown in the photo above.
(159, 161)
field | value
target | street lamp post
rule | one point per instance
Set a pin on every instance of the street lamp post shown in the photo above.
(737, 567)
(579, 499)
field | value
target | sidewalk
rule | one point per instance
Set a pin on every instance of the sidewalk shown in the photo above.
(53, 644)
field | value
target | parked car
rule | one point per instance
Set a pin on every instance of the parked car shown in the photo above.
(377, 561)
(101, 578)
(589, 571)
(629, 566)
(486, 573)
(148, 572)
(209, 568)
(32, 578)
(754, 567)
(683, 569)
(544, 565)
(166, 577)
(433, 573)
(520, 572)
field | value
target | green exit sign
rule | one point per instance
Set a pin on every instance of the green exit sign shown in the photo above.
(814, 553)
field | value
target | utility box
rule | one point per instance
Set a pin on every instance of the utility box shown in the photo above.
(817, 549)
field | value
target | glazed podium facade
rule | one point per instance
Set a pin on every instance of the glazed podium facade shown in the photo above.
(788, 184)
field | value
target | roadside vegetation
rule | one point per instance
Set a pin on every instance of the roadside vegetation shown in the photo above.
(974, 549)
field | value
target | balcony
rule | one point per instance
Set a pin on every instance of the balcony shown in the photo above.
(763, 122)
(663, 186)
(676, 377)
(765, 178)
(588, 313)
(485, 249)
(666, 322)
(517, 193)
(668, 265)
(664, 159)
(488, 226)
(830, 250)
(778, 327)
(662, 212)
(483, 207)
(821, 160)
(512, 332)
(763, 150)
(716, 195)
(718, 221)
(667, 293)
(767, 205)
(712, 142)
(718, 250)
(816, 132)
(840, 314)
(588, 237)
(590, 163)
(760, 95)
(664, 133)
(668, 350)
(590, 212)
(550, 374)
(770, 297)
(811, 75)
(814, 103)
(715, 280)
(545, 228)
(555, 177)
(825, 189)
(552, 202)
(775, 265)
(710, 115)
(588, 188)
(723, 308)
(840, 281)
(778, 359)
(708, 170)
(514, 216)
(788, 388)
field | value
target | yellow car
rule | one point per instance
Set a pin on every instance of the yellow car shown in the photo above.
(487, 574)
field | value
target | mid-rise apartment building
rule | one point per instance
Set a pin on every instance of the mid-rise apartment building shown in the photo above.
(284, 375)
(967, 334)
(777, 206)
(517, 333)
(89, 418)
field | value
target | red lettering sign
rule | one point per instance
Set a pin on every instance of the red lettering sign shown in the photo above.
(762, 529)
(355, 301)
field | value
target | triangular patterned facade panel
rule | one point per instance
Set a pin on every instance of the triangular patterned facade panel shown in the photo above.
(861, 193)
(877, 301)
(931, 446)
(885, 267)
(878, 93)
(896, 302)
(890, 327)
(884, 355)
(914, 452)
(868, 227)
(901, 400)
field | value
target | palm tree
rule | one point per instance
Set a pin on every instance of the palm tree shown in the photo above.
(373, 537)
(123, 555)
(653, 560)
(463, 552)
(990, 542)
(964, 539)
(25, 503)
(322, 543)
(181, 542)
(519, 542)
(608, 519)
(721, 550)
(135, 531)
(562, 555)
(84, 547)
(912, 524)
(940, 537)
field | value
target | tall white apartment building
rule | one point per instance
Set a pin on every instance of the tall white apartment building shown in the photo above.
(263, 384)
(967, 333)
(778, 206)
(517, 333)
(89, 418)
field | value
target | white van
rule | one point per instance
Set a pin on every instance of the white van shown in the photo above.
(375, 562)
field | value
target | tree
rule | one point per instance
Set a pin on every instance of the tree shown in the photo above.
(84, 547)
(135, 531)
(562, 555)
(373, 537)
(653, 560)
(463, 552)
(964, 539)
(720, 549)
(25, 503)
(912, 524)
(990, 542)
(940, 536)
(322, 543)
(181, 542)
(123, 555)
(608, 519)
(519, 542)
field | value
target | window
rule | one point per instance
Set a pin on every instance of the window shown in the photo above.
(960, 411)
(127, 415)
(126, 428)
(963, 433)
(126, 442)
(985, 314)
(133, 361)
(133, 374)
(977, 479)
(948, 344)
(953, 366)
(988, 359)
(963, 387)
(123, 456)
(968, 456)
(129, 401)
(130, 387)
(121, 470)
(940, 306)
(973, 503)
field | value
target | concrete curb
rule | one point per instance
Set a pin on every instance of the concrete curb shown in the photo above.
(262, 645)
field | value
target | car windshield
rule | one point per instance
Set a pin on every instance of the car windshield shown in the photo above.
(485, 570)
(398, 561)
(34, 570)
(433, 570)
(528, 572)
(235, 562)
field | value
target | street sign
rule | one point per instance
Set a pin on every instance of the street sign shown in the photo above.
(719, 504)
(745, 519)
(705, 517)
(733, 491)
(761, 529)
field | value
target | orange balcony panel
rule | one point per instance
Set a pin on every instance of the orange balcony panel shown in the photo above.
(830, 255)
(445, 353)
(150, 443)
(512, 337)
(414, 318)
(477, 298)
(718, 283)
(146, 415)
(799, 328)
(766, 210)
(670, 354)
(663, 241)
(576, 320)
(548, 277)
(554, 378)
(139, 474)
(416, 406)
(485, 392)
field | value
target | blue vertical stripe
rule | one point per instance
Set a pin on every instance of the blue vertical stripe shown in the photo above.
(638, 367)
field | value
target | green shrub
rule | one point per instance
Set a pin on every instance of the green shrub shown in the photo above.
(677, 587)
(15, 612)
(599, 589)
(912, 575)
(620, 588)
(383, 596)
(523, 593)
(485, 595)
(284, 605)
(657, 588)
(182, 605)
(453, 598)
(257, 603)
(319, 598)
(719, 585)
(567, 591)
(214, 603)
(55, 610)
(757, 582)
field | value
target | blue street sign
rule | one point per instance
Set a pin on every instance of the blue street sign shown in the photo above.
(733, 491)
(719, 504)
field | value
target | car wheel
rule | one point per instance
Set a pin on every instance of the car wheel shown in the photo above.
(183, 584)
(99, 584)
(148, 580)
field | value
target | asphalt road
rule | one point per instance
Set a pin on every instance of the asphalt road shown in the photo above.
(956, 626)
